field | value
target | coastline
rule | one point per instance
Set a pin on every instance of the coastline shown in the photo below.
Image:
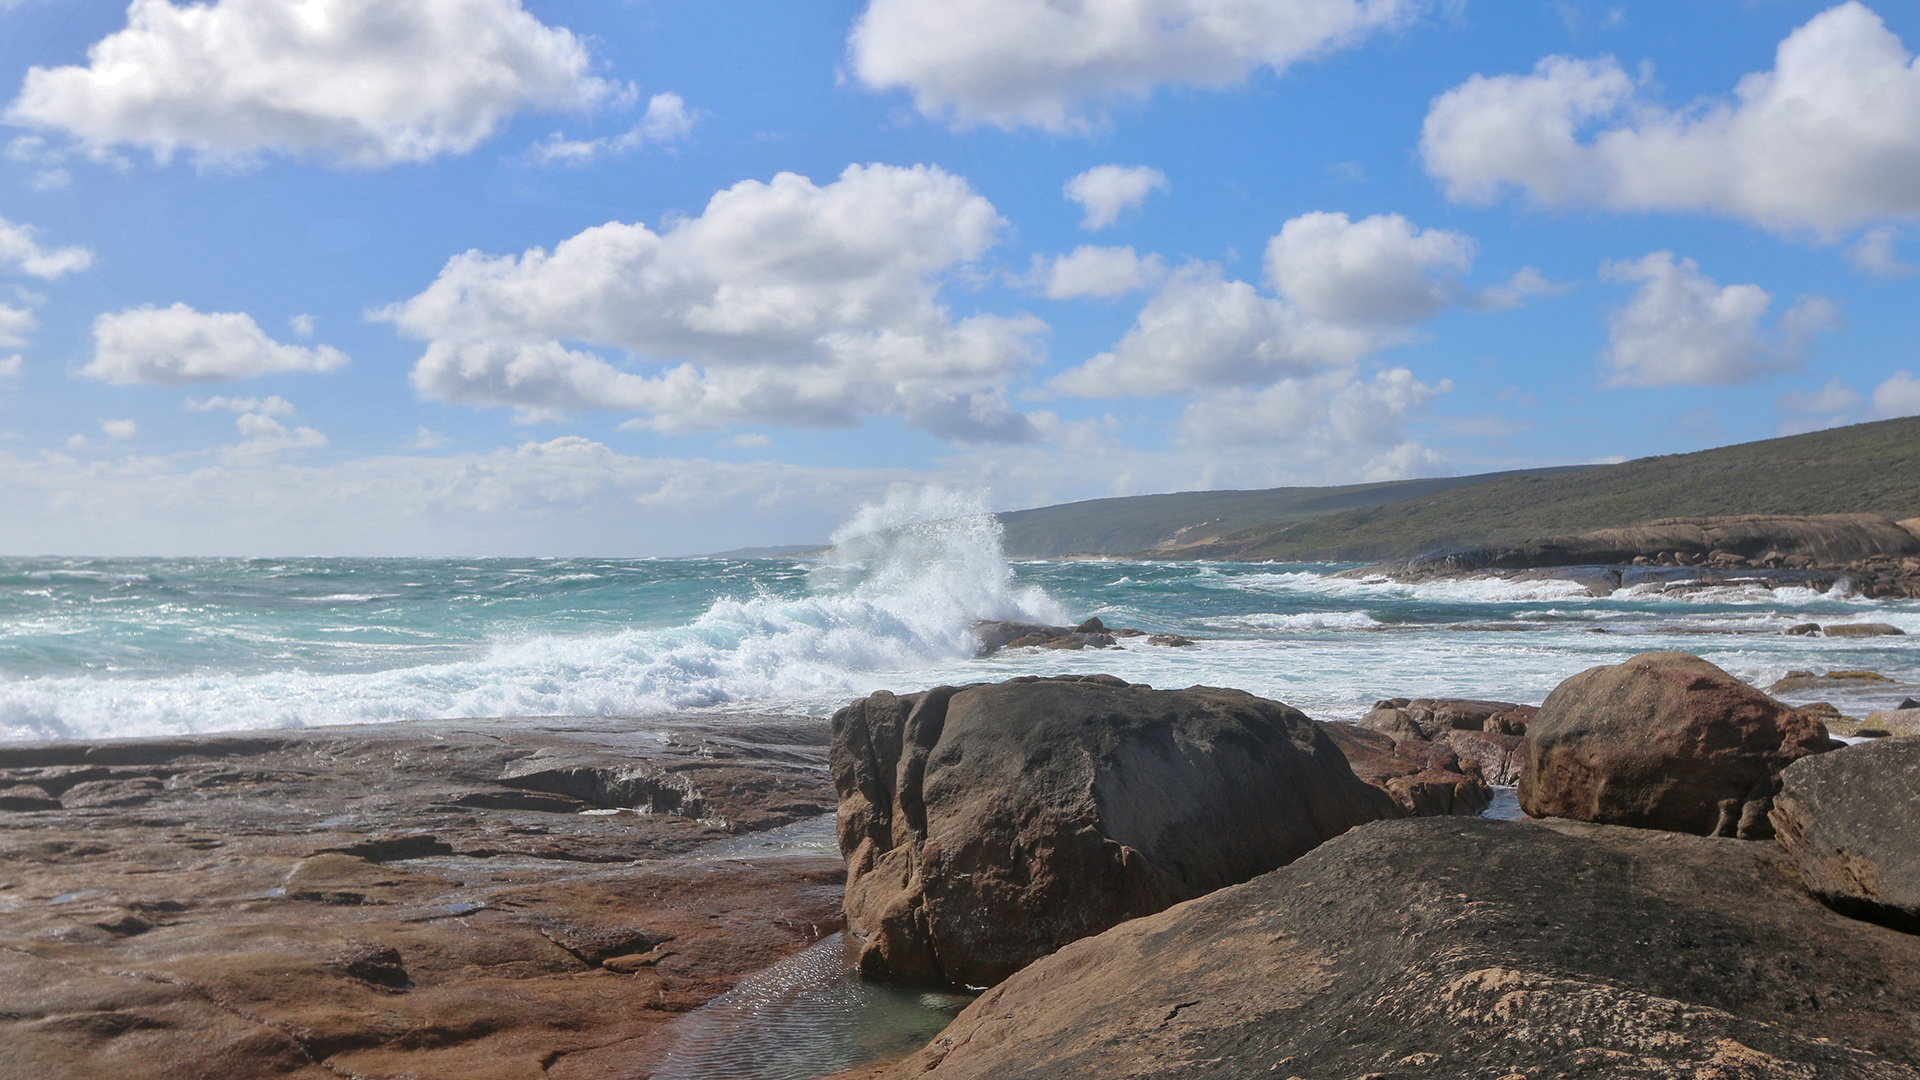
(365, 900)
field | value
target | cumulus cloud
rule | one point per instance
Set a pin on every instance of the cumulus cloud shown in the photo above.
(10, 367)
(785, 303)
(261, 437)
(268, 406)
(1681, 328)
(19, 249)
(1874, 254)
(175, 345)
(119, 430)
(1098, 271)
(1033, 62)
(357, 82)
(15, 324)
(1827, 140)
(1345, 289)
(1898, 396)
(1107, 191)
(1334, 407)
(666, 120)
(1380, 270)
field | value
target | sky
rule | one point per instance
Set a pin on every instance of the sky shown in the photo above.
(661, 277)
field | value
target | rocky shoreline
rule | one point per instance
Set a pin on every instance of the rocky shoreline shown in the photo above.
(1869, 555)
(474, 899)
(1154, 883)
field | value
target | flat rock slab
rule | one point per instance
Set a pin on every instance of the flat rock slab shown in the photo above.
(1464, 948)
(1851, 822)
(423, 900)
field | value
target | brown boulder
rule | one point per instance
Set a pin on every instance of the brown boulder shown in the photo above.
(1497, 757)
(1663, 741)
(1459, 948)
(988, 825)
(1425, 779)
(1851, 821)
(1433, 718)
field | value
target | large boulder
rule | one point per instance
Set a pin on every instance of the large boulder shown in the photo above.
(1465, 948)
(1426, 779)
(1665, 740)
(986, 826)
(1851, 821)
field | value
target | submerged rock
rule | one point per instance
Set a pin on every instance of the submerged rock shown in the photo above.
(1851, 822)
(1472, 949)
(986, 826)
(1665, 740)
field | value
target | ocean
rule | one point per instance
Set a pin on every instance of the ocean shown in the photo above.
(108, 648)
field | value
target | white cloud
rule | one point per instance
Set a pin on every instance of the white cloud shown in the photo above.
(1345, 289)
(358, 82)
(268, 406)
(19, 249)
(1898, 396)
(785, 303)
(10, 367)
(119, 430)
(175, 345)
(425, 438)
(1526, 283)
(262, 437)
(565, 496)
(1099, 271)
(1683, 329)
(1874, 254)
(303, 325)
(15, 324)
(1380, 270)
(1038, 62)
(1331, 408)
(48, 163)
(666, 120)
(752, 440)
(1107, 191)
(1827, 140)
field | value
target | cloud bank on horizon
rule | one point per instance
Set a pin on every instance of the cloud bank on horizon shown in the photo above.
(666, 281)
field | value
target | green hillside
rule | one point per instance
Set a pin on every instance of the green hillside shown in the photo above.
(1124, 525)
(1865, 468)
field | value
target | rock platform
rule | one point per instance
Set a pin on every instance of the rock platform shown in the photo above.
(470, 899)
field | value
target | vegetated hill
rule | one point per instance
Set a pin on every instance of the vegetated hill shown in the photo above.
(1866, 468)
(1134, 523)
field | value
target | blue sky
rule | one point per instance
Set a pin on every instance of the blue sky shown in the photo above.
(505, 277)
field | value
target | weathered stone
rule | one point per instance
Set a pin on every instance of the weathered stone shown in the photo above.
(316, 904)
(1473, 949)
(1498, 757)
(27, 797)
(1173, 641)
(988, 825)
(1851, 822)
(1803, 629)
(1868, 629)
(1893, 721)
(1794, 682)
(1424, 778)
(1663, 741)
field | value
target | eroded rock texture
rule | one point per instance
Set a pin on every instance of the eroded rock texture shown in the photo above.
(457, 899)
(1851, 821)
(1465, 948)
(986, 826)
(1665, 740)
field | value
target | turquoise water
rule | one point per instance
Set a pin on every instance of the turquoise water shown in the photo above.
(123, 647)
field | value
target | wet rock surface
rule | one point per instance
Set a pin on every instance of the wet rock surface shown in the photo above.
(986, 826)
(1663, 741)
(471, 899)
(1467, 948)
(1850, 820)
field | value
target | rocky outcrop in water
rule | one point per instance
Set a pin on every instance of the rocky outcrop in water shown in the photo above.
(986, 826)
(1851, 822)
(435, 900)
(1091, 634)
(1665, 740)
(1467, 948)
